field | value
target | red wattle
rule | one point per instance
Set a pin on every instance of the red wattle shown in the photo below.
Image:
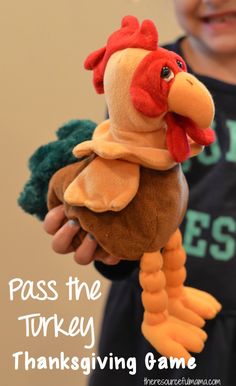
(176, 139)
(203, 137)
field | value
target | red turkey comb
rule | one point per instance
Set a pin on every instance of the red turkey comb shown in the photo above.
(130, 35)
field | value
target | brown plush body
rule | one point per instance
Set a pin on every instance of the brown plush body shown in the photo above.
(145, 225)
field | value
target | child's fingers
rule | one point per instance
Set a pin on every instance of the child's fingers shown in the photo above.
(109, 260)
(84, 254)
(105, 258)
(62, 240)
(54, 219)
(64, 234)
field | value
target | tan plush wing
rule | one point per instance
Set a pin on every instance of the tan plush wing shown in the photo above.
(104, 185)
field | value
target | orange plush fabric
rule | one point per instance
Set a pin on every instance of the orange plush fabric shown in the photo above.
(90, 189)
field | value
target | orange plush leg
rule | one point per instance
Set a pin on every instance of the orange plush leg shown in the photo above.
(169, 335)
(185, 303)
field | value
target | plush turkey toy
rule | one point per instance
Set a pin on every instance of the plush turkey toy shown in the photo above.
(129, 192)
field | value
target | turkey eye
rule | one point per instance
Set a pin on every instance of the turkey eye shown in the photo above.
(180, 64)
(167, 74)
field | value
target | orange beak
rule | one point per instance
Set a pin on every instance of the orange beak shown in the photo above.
(190, 98)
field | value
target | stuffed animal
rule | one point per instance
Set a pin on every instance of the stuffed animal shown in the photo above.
(129, 191)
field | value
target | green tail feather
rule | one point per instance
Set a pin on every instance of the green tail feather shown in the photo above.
(47, 160)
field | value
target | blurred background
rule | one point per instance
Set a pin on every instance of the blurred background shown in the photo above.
(43, 85)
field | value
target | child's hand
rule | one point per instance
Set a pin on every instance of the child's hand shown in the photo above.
(63, 232)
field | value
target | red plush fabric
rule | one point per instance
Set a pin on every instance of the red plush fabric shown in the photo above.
(176, 137)
(202, 136)
(130, 35)
(148, 90)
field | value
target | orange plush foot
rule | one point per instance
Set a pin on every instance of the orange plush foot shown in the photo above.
(193, 306)
(174, 337)
(201, 302)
